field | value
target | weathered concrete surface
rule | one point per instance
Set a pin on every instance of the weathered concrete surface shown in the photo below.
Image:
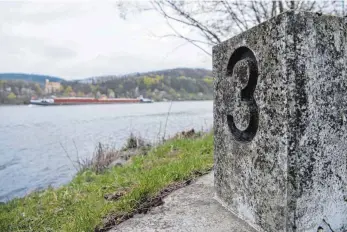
(190, 209)
(280, 124)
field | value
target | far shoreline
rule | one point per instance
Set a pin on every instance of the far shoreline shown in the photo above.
(27, 104)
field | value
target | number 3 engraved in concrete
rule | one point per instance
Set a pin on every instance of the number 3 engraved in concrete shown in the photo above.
(243, 68)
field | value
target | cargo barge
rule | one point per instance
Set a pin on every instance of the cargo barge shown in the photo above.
(83, 101)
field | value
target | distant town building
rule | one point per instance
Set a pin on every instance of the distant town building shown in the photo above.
(103, 97)
(51, 87)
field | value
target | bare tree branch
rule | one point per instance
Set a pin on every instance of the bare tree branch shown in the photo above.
(280, 4)
(187, 39)
(240, 24)
(194, 21)
(273, 9)
(255, 9)
(212, 21)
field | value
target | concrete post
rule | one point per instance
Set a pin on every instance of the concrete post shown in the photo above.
(280, 121)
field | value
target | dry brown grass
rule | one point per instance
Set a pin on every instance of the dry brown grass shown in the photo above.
(105, 155)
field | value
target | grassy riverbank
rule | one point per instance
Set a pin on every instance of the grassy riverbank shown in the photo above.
(97, 201)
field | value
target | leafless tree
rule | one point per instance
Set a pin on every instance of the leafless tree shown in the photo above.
(212, 21)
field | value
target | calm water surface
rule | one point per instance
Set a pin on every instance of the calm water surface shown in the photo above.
(31, 138)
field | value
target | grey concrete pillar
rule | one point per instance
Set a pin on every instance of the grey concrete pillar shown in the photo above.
(280, 121)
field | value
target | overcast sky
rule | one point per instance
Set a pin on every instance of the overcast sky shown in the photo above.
(84, 39)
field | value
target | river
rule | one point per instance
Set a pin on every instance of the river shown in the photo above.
(33, 138)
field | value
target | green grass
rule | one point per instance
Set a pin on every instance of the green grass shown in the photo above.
(80, 205)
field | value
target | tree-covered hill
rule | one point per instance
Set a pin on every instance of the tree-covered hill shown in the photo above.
(29, 77)
(173, 84)
(176, 72)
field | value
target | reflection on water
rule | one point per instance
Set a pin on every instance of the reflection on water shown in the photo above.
(31, 156)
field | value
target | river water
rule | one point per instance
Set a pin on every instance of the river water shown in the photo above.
(33, 138)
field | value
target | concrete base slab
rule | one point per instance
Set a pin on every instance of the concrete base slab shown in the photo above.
(190, 209)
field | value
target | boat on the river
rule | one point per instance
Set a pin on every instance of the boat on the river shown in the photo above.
(42, 102)
(82, 101)
(146, 100)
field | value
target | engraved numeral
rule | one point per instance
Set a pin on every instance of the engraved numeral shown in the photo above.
(244, 59)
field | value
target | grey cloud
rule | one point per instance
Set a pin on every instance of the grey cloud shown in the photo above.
(112, 64)
(76, 40)
(31, 12)
(10, 44)
(59, 52)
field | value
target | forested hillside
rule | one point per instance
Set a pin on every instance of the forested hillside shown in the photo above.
(173, 84)
(29, 77)
(164, 85)
(18, 91)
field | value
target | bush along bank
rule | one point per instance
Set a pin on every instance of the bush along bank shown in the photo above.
(96, 200)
